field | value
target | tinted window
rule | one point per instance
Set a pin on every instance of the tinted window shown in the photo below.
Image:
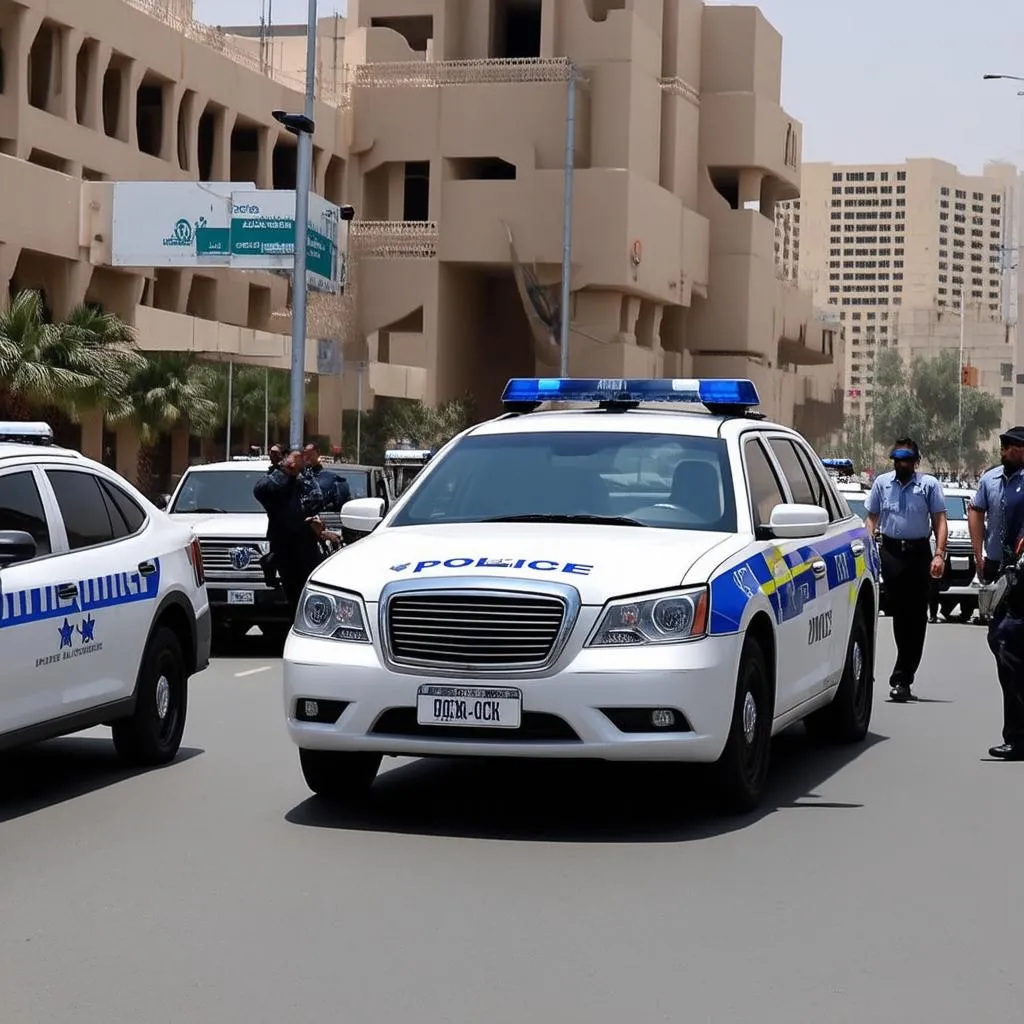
(857, 507)
(22, 509)
(956, 507)
(357, 480)
(127, 509)
(82, 508)
(820, 486)
(662, 480)
(796, 477)
(765, 490)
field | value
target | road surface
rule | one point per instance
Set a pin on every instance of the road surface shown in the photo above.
(876, 884)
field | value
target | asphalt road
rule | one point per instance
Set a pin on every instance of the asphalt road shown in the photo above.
(876, 884)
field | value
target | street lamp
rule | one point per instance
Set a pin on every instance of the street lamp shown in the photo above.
(302, 126)
(1010, 78)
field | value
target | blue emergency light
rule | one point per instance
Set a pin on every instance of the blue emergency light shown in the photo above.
(839, 465)
(723, 395)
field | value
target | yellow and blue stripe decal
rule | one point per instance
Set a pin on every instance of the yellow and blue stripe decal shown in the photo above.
(21, 607)
(788, 580)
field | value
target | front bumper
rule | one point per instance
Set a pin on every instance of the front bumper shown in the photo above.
(960, 573)
(268, 605)
(564, 712)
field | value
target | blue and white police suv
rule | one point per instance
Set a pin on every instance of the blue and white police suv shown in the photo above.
(103, 607)
(628, 581)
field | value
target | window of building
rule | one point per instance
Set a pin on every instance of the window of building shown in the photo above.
(416, 200)
(515, 29)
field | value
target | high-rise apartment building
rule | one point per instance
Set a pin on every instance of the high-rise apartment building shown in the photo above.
(444, 124)
(898, 249)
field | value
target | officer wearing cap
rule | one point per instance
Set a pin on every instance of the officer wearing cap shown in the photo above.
(996, 521)
(904, 507)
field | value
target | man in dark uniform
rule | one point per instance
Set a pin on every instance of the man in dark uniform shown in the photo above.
(293, 543)
(996, 521)
(905, 506)
(267, 561)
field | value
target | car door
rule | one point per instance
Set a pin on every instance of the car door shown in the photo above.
(807, 580)
(844, 553)
(109, 571)
(765, 482)
(30, 611)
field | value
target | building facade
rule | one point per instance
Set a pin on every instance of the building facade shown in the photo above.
(444, 125)
(898, 250)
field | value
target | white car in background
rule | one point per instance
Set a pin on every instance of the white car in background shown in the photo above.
(617, 583)
(103, 609)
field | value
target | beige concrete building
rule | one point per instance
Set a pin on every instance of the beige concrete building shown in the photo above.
(444, 125)
(896, 248)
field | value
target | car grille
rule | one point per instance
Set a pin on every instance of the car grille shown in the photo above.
(219, 560)
(483, 629)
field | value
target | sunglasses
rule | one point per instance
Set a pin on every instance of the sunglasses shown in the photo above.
(903, 455)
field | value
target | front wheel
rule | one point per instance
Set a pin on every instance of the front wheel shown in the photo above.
(343, 777)
(152, 735)
(742, 769)
(847, 718)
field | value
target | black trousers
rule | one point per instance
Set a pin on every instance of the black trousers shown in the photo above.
(1006, 642)
(906, 569)
(294, 563)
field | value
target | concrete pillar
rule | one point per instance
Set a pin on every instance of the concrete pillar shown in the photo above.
(267, 139)
(128, 445)
(8, 264)
(750, 187)
(92, 435)
(193, 114)
(172, 95)
(225, 125)
(330, 406)
(320, 162)
(70, 287)
(179, 449)
(70, 40)
(629, 312)
(99, 61)
(131, 79)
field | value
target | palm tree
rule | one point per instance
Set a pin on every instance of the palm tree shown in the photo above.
(63, 369)
(168, 390)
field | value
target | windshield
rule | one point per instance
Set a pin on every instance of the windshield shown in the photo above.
(856, 506)
(230, 491)
(956, 507)
(662, 480)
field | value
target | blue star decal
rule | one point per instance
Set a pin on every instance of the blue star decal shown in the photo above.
(67, 631)
(400, 568)
(87, 630)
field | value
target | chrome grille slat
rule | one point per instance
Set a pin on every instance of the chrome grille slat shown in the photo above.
(459, 630)
(216, 555)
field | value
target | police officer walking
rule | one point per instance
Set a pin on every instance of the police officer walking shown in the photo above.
(904, 507)
(996, 521)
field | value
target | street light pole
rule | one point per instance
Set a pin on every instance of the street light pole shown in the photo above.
(303, 128)
(960, 389)
(570, 166)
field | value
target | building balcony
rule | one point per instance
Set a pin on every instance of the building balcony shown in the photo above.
(393, 239)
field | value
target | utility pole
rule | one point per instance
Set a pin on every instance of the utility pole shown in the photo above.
(960, 389)
(570, 166)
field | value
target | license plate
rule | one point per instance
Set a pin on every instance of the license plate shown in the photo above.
(241, 597)
(962, 564)
(472, 706)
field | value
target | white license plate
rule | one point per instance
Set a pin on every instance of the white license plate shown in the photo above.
(493, 707)
(960, 563)
(241, 597)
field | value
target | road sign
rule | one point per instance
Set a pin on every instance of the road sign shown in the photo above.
(263, 235)
(172, 223)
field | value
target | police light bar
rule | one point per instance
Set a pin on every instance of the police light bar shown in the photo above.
(26, 433)
(839, 465)
(714, 393)
(410, 455)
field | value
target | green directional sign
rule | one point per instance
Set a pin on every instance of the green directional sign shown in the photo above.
(272, 236)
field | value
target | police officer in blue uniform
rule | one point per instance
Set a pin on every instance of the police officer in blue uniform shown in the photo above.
(996, 521)
(904, 507)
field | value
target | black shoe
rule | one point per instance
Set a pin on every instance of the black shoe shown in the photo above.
(900, 693)
(1008, 752)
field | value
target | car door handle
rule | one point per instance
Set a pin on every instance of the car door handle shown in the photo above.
(66, 591)
(819, 569)
(146, 568)
(857, 547)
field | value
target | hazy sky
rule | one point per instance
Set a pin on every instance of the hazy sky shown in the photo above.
(875, 80)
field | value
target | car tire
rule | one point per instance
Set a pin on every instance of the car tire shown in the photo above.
(341, 777)
(152, 735)
(742, 770)
(847, 718)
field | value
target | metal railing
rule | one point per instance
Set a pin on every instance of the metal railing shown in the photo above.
(428, 74)
(393, 239)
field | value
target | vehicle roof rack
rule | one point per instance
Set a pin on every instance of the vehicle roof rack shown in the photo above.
(721, 396)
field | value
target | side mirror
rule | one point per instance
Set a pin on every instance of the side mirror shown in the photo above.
(798, 522)
(162, 502)
(16, 546)
(362, 515)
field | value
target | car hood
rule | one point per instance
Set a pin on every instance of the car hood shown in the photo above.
(242, 526)
(599, 561)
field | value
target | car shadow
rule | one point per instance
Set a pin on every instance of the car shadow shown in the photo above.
(575, 801)
(253, 644)
(50, 773)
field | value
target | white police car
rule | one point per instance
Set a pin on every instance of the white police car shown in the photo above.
(616, 583)
(103, 609)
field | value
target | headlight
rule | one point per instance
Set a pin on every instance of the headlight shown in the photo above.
(665, 619)
(332, 614)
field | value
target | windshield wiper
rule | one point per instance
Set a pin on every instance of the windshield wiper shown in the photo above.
(204, 509)
(551, 518)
